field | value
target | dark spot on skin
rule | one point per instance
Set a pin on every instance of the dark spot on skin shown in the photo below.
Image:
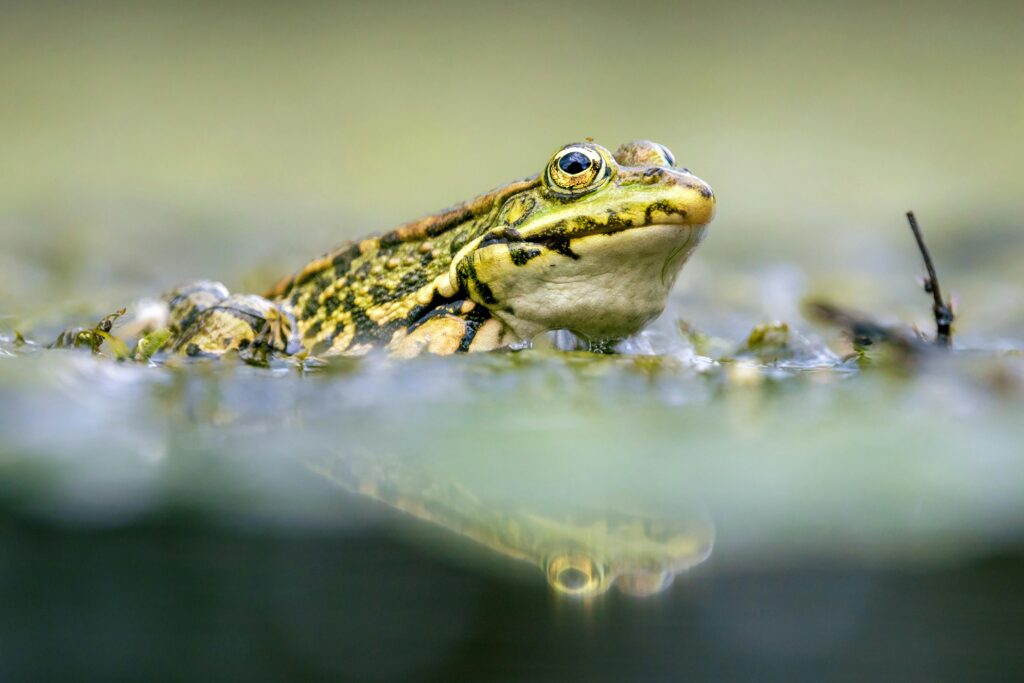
(616, 222)
(365, 328)
(521, 254)
(364, 269)
(494, 237)
(343, 259)
(311, 308)
(561, 246)
(500, 236)
(474, 319)
(192, 350)
(411, 281)
(390, 240)
(331, 304)
(452, 308)
(190, 318)
(321, 283)
(325, 343)
(653, 172)
(661, 207)
(556, 238)
(466, 275)
(379, 293)
(417, 312)
(485, 293)
(563, 198)
(463, 272)
(314, 329)
(706, 192)
(243, 345)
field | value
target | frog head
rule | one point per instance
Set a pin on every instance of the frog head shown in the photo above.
(638, 554)
(594, 246)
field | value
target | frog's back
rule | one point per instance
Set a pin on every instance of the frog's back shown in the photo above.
(360, 294)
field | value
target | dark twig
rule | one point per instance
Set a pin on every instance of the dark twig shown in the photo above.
(943, 312)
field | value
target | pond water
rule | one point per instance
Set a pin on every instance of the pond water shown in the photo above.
(444, 507)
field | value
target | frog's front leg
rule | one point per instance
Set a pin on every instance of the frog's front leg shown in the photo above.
(454, 327)
(205, 320)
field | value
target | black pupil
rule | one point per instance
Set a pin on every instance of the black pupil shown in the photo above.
(572, 578)
(574, 162)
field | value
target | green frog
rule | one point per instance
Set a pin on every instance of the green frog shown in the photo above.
(592, 244)
(582, 550)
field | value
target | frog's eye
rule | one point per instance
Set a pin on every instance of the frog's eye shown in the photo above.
(576, 169)
(575, 575)
(645, 153)
(667, 154)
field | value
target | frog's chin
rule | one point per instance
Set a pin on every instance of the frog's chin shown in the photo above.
(609, 287)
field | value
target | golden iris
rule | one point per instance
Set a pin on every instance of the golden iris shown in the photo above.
(575, 575)
(576, 169)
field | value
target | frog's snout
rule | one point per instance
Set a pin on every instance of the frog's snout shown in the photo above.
(704, 211)
(693, 197)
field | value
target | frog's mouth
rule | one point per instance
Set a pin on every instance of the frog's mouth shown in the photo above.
(557, 240)
(559, 235)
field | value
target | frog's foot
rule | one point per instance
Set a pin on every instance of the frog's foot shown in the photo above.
(92, 338)
(455, 327)
(207, 321)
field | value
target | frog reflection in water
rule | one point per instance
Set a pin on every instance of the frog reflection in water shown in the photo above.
(592, 244)
(581, 552)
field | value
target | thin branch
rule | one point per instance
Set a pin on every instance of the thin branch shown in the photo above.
(943, 312)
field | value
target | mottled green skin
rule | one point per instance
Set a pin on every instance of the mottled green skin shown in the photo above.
(461, 279)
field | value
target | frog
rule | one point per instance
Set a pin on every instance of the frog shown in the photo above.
(591, 244)
(582, 549)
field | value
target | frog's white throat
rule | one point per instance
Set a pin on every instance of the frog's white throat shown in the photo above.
(618, 283)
